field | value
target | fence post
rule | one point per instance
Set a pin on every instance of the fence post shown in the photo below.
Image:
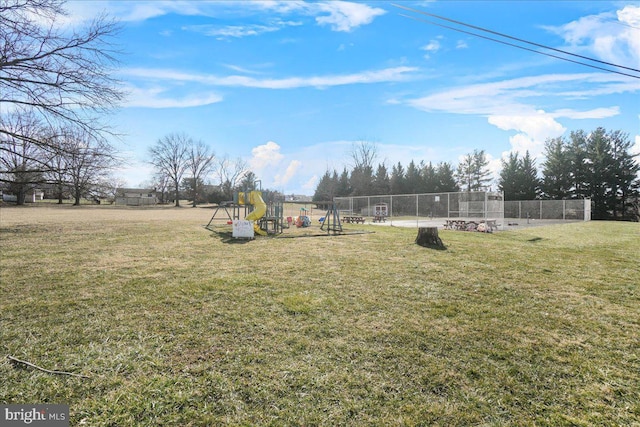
(486, 204)
(540, 209)
(520, 209)
(417, 213)
(564, 209)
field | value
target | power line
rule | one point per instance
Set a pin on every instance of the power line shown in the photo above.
(515, 38)
(519, 40)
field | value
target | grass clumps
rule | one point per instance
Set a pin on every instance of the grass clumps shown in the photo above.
(174, 326)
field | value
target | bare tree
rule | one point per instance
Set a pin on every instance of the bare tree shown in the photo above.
(229, 174)
(88, 162)
(64, 77)
(170, 156)
(201, 162)
(363, 154)
(21, 167)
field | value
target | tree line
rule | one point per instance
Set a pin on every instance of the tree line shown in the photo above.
(182, 167)
(56, 87)
(598, 165)
(56, 90)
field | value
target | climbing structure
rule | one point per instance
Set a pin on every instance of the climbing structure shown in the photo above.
(331, 221)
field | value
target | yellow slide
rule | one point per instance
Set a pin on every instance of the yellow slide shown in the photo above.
(259, 209)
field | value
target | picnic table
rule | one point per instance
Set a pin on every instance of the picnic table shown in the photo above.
(379, 218)
(353, 219)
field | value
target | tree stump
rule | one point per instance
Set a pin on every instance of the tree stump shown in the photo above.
(428, 237)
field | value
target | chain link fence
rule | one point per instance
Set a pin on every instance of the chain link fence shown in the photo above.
(566, 210)
(436, 209)
(430, 209)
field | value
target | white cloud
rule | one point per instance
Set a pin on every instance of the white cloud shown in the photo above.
(222, 32)
(341, 16)
(311, 184)
(157, 98)
(596, 113)
(462, 44)
(612, 38)
(432, 46)
(394, 74)
(289, 173)
(517, 104)
(236, 31)
(264, 156)
(516, 96)
(346, 16)
(533, 131)
(636, 147)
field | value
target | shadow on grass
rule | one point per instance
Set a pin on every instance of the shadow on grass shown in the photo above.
(227, 237)
(434, 247)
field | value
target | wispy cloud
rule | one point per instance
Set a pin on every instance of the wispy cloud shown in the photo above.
(520, 96)
(525, 105)
(289, 173)
(613, 38)
(222, 32)
(343, 16)
(432, 47)
(393, 74)
(160, 98)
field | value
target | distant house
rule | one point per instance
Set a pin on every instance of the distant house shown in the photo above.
(30, 196)
(297, 198)
(136, 197)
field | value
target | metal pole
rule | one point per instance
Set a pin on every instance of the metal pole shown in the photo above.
(540, 209)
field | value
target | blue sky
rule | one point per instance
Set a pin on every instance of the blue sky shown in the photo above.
(290, 86)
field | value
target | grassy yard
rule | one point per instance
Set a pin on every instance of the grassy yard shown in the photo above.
(175, 325)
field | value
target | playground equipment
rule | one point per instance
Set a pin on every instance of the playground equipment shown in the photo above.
(331, 221)
(303, 220)
(251, 215)
(254, 198)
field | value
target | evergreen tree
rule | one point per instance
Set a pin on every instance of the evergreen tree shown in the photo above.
(381, 182)
(446, 178)
(343, 184)
(430, 179)
(509, 177)
(481, 173)
(413, 179)
(361, 181)
(529, 181)
(248, 182)
(578, 165)
(626, 182)
(326, 188)
(397, 180)
(600, 175)
(556, 170)
(472, 173)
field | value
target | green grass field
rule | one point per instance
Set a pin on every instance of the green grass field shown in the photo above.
(177, 326)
